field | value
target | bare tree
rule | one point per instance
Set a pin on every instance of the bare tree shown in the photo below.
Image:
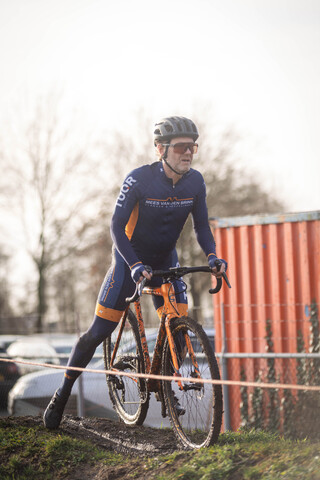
(5, 307)
(50, 180)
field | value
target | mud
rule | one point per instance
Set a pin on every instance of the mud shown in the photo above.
(122, 438)
(112, 435)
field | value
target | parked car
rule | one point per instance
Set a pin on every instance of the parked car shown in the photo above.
(9, 374)
(63, 344)
(32, 393)
(6, 340)
(32, 349)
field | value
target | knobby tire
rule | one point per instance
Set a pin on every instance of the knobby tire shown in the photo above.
(129, 396)
(200, 424)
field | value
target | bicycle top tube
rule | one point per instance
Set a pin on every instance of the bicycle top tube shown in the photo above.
(175, 273)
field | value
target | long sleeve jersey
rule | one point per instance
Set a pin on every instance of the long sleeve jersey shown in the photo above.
(150, 213)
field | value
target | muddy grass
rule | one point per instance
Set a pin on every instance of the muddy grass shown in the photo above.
(102, 449)
(118, 437)
(137, 444)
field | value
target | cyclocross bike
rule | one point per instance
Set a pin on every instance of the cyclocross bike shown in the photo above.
(182, 350)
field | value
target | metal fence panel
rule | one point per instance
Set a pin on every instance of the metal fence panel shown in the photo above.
(275, 276)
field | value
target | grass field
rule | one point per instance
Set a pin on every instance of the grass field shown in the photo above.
(34, 453)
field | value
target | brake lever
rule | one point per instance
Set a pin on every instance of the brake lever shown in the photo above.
(226, 279)
(139, 287)
(217, 288)
(137, 292)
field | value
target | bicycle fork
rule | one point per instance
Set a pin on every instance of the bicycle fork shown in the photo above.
(170, 312)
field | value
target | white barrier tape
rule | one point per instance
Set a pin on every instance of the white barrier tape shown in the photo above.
(286, 386)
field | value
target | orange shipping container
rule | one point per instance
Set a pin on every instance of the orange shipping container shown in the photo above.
(274, 270)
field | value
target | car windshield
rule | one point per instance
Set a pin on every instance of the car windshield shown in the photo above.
(31, 349)
(65, 349)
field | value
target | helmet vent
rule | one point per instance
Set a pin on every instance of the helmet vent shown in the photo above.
(172, 127)
(187, 126)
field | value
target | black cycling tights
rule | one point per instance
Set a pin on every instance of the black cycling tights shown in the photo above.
(84, 349)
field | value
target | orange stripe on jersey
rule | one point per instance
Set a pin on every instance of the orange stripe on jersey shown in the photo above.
(137, 263)
(131, 225)
(108, 313)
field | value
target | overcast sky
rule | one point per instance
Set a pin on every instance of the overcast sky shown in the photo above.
(256, 61)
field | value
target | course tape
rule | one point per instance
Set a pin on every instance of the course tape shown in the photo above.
(284, 386)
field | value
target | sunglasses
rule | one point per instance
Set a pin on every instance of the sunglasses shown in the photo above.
(182, 147)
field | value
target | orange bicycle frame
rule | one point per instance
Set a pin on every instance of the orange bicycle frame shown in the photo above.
(169, 312)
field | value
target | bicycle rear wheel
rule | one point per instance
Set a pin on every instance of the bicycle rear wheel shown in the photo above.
(195, 411)
(128, 395)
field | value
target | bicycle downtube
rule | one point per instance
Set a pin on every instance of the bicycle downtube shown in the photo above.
(142, 333)
(192, 355)
(171, 310)
(122, 323)
(173, 352)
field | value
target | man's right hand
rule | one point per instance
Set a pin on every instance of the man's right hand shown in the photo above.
(139, 272)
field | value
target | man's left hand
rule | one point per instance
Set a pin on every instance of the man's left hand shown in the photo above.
(218, 266)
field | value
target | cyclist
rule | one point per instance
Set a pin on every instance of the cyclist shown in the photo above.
(150, 212)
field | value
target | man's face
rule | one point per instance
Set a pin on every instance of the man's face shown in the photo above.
(180, 162)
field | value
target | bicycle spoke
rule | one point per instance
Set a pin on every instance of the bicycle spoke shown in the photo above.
(200, 423)
(128, 394)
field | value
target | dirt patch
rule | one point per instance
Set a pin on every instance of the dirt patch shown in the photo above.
(112, 435)
(120, 437)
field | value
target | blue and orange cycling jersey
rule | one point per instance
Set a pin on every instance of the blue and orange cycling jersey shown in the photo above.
(150, 213)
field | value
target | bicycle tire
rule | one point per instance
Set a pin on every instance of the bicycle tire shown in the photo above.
(129, 396)
(200, 424)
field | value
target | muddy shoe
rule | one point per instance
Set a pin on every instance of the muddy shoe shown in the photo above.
(54, 411)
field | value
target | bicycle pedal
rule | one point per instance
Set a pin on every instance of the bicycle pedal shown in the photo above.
(192, 386)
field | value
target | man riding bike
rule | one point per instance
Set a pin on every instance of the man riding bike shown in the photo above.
(153, 205)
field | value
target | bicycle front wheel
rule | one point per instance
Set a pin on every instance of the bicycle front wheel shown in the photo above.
(195, 409)
(129, 395)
